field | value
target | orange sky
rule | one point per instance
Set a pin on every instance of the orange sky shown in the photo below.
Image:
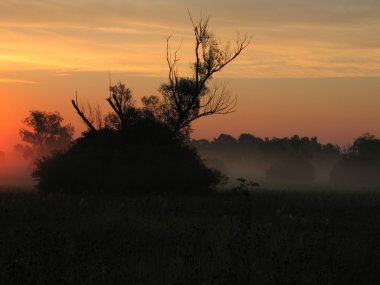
(313, 68)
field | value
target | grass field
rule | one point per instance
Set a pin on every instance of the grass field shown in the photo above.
(269, 237)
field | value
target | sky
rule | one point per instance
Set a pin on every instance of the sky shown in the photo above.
(312, 68)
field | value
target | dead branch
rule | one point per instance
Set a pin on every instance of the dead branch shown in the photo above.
(81, 114)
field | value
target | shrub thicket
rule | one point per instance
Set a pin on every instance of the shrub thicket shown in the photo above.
(146, 149)
(144, 160)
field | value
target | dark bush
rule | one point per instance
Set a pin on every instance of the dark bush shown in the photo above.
(146, 159)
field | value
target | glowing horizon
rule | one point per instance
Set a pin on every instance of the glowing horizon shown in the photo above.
(49, 49)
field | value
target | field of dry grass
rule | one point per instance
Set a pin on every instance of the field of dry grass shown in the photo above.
(268, 237)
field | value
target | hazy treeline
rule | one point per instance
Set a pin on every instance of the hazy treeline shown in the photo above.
(294, 161)
(276, 162)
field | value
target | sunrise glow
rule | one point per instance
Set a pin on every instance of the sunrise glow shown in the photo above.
(311, 69)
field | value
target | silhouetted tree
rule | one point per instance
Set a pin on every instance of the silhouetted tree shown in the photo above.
(224, 141)
(366, 147)
(330, 150)
(130, 151)
(249, 141)
(184, 99)
(360, 165)
(249, 147)
(145, 149)
(190, 98)
(45, 134)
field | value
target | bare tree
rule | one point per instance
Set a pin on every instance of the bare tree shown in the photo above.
(185, 99)
(191, 98)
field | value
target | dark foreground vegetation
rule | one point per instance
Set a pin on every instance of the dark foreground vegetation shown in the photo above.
(268, 237)
(132, 202)
(134, 148)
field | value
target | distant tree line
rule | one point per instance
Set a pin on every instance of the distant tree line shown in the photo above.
(360, 164)
(295, 160)
(149, 156)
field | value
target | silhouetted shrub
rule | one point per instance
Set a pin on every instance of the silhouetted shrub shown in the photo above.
(146, 159)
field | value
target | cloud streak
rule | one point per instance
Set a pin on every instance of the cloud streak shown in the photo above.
(14, 80)
(292, 38)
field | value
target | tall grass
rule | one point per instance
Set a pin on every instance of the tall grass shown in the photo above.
(267, 237)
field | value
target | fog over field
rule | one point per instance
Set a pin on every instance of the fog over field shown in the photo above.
(294, 162)
(260, 171)
(271, 170)
(276, 163)
(15, 171)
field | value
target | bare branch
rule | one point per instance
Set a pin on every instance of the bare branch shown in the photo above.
(172, 61)
(80, 112)
(218, 101)
(193, 100)
(95, 115)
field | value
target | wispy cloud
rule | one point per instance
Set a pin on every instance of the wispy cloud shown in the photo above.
(292, 38)
(15, 80)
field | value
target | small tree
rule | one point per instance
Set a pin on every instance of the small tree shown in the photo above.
(184, 99)
(145, 150)
(188, 99)
(45, 134)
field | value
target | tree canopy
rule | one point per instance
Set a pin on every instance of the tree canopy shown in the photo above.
(360, 165)
(183, 99)
(145, 149)
(45, 134)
